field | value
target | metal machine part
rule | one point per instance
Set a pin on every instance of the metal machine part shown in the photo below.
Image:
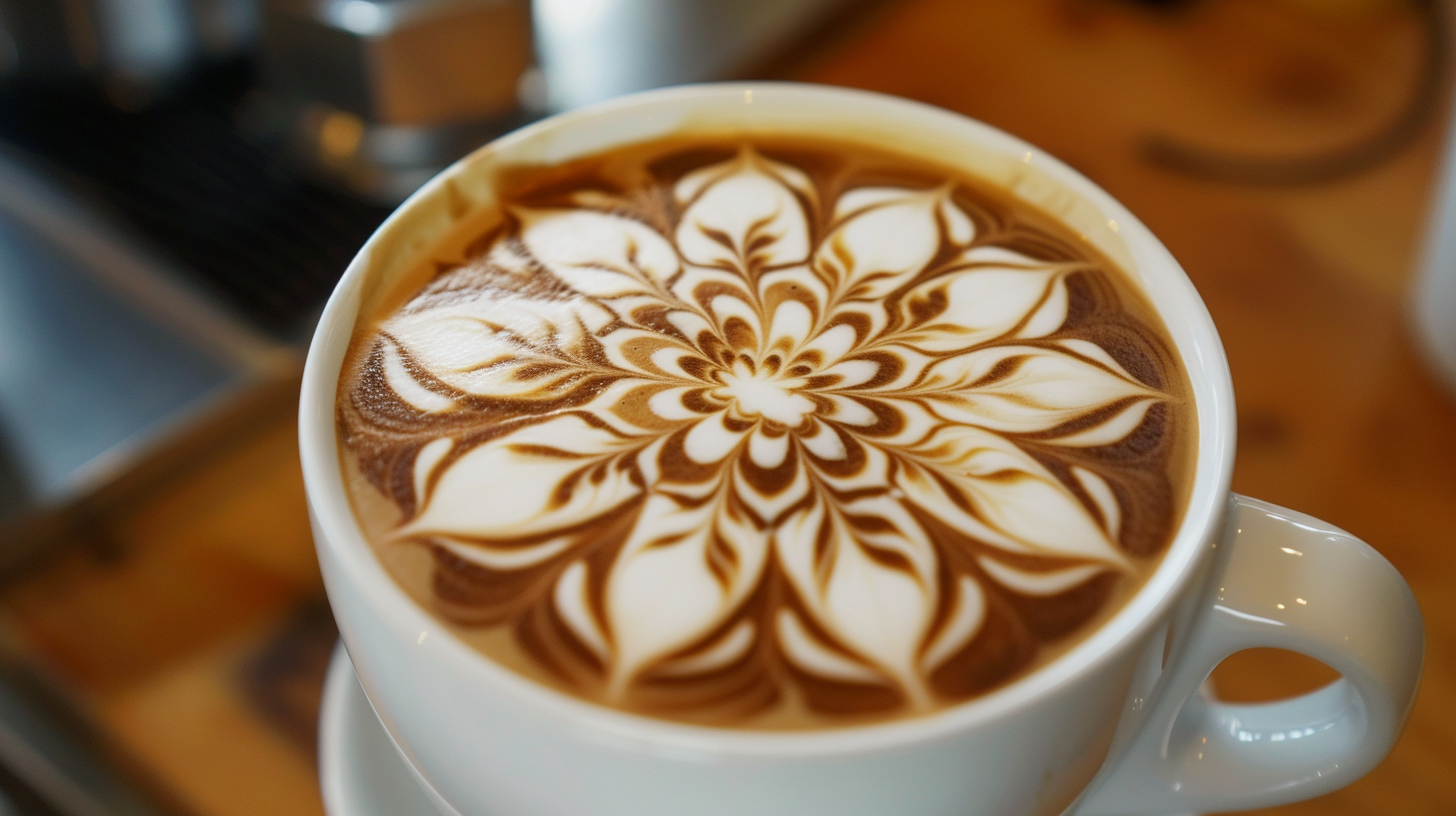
(590, 50)
(382, 94)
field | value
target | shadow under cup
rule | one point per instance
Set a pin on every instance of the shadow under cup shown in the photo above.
(489, 741)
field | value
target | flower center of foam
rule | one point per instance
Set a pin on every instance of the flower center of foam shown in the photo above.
(765, 394)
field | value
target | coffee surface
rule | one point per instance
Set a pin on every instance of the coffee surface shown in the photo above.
(767, 433)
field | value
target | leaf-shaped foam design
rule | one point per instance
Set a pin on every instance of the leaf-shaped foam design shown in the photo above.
(512, 485)
(744, 214)
(870, 583)
(712, 439)
(1013, 501)
(597, 254)
(977, 304)
(1026, 389)
(830, 346)
(724, 437)
(868, 266)
(668, 588)
(409, 389)
(498, 345)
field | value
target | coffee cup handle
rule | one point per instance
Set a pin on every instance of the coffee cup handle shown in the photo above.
(1284, 580)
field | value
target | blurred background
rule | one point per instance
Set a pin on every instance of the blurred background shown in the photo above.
(183, 181)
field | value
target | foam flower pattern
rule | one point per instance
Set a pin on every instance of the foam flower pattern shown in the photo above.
(789, 437)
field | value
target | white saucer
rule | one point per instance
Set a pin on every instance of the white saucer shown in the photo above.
(360, 769)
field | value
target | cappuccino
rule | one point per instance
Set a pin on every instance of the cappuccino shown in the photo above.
(766, 433)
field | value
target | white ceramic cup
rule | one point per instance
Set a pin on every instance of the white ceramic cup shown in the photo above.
(1117, 725)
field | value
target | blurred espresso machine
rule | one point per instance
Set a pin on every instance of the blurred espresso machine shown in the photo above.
(184, 181)
(382, 94)
(181, 184)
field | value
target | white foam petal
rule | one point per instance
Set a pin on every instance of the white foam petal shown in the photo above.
(877, 611)
(691, 185)
(1011, 494)
(791, 322)
(503, 558)
(800, 282)
(867, 265)
(768, 451)
(744, 217)
(850, 411)
(662, 593)
(729, 648)
(494, 346)
(958, 226)
(853, 372)
(710, 440)
(668, 404)
(964, 622)
(1091, 350)
(407, 387)
(833, 343)
(425, 461)
(1039, 584)
(669, 359)
(691, 324)
(1025, 389)
(809, 655)
(729, 306)
(1103, 496)
(862, 198)
(1050, 315)
(824, 443)
(771, 506)
(979, 304)
(992, 255)
(571, 602)
(1114, 429)
(507, 487)
(598, 254)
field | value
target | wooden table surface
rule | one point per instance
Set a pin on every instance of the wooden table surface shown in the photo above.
(189, 625)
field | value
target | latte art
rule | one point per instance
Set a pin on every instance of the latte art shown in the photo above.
(761, 430)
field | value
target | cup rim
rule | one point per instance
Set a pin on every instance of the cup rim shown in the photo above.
(1173, 295)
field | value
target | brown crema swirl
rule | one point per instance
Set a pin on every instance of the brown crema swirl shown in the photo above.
(768, 434)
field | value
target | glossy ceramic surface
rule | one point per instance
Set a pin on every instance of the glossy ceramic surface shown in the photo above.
(360, 769)
(490, 742)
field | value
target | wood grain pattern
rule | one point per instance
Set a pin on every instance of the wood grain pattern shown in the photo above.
(1337, 417)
